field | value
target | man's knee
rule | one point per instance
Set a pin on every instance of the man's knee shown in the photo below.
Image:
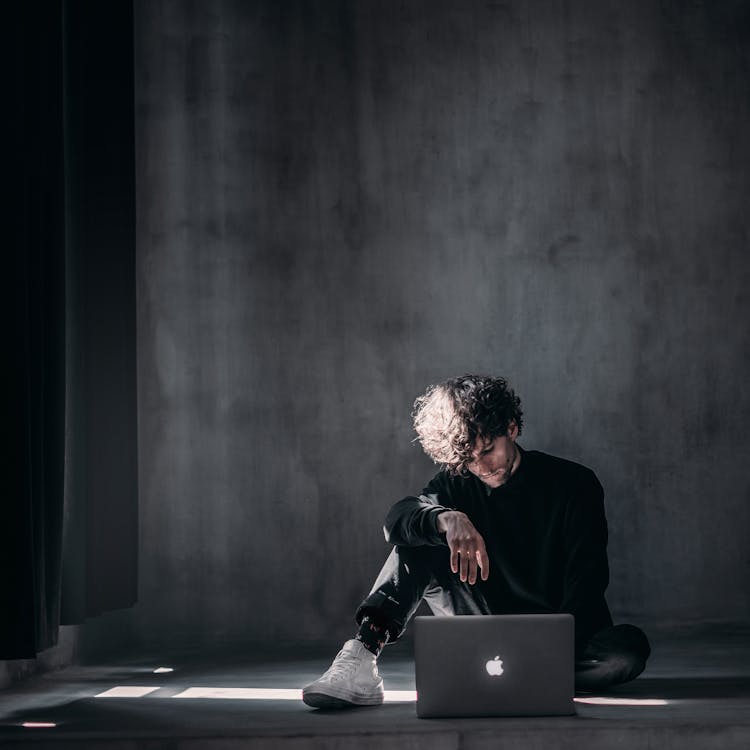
(398, 589)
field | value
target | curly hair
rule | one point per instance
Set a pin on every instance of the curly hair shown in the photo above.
(450, 416)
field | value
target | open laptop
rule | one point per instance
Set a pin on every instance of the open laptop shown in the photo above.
(494, 665)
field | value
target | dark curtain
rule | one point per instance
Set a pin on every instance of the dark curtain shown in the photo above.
(35, 288)
(69, 537)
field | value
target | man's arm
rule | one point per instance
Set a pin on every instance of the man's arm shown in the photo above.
(412, 522)
(424, 520)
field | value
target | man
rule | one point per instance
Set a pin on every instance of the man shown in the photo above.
(499, 530)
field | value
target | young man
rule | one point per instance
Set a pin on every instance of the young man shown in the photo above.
(499, 530)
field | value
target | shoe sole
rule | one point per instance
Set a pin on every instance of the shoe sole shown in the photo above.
(323, 700)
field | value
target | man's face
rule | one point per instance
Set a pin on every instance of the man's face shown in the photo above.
(495, 459)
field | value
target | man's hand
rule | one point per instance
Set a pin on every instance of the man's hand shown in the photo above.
(466, 545)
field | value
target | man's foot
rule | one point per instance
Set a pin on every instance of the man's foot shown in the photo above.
(352, 680)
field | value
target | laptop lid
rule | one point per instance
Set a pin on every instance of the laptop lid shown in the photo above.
(494, 665)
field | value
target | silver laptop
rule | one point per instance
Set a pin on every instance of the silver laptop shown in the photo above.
(494, 665)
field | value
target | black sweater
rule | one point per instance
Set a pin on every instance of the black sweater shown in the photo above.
(545, 533)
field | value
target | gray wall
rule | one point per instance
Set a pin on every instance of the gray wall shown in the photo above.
(341, 203)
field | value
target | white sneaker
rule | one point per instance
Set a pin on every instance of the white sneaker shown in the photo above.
(352, 680)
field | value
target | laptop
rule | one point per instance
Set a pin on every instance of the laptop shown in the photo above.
(494, 665)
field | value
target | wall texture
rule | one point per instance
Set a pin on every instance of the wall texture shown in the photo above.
(339, 203)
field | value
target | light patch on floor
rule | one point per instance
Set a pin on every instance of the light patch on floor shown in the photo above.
(295, 694)
(599, 701)
(245, 694)
(400, 696)
(275, 694)
(129, 691)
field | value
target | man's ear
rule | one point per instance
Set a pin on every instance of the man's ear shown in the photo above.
(512, 429)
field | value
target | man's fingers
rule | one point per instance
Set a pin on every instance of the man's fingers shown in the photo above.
(464, 565)
(484, 563)
(468, 556)
(472, 571)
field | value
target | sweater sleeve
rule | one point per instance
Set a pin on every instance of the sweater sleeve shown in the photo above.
(412, 521)
(585, 559)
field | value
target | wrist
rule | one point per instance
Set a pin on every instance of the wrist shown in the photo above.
(443, 519)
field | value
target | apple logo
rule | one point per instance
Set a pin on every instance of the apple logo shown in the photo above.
(494, 666)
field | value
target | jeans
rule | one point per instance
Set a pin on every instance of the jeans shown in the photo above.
(611, 656)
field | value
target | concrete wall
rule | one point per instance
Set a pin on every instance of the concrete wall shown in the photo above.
(339, 203)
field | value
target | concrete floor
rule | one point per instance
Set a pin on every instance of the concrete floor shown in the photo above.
(704, 679)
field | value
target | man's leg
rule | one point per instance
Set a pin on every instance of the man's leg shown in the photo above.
(409, 575)
(614, 655)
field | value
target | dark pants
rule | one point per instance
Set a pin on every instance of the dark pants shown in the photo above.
(612, 656)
